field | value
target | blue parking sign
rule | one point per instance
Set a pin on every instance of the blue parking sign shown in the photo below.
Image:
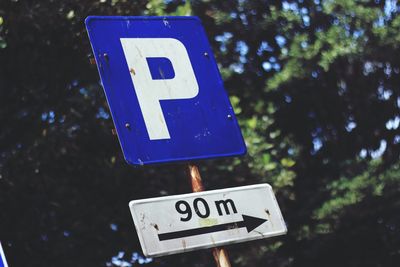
(164, 89)
(3, 262)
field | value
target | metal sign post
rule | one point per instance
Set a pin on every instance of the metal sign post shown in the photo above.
(220, 254)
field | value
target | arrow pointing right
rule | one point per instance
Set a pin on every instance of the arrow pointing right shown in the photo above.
(251, 222)
(248, 222)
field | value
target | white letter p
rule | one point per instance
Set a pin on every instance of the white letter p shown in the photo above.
(150, 91)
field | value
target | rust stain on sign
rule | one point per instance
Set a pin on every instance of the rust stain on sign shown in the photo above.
(155, 226)
(269, 216)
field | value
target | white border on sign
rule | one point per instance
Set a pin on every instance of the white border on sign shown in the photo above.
(3, 257)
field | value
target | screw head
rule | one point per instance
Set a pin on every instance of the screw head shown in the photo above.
(205, 54)
(105, 55)
(229, 116)
(127, 126)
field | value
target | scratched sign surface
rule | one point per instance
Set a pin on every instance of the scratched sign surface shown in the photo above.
(181, 223)
(164, 89)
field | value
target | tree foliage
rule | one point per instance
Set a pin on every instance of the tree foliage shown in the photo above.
(315, 85)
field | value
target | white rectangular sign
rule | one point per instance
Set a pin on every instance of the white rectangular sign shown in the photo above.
(3, 262)
(181, 223)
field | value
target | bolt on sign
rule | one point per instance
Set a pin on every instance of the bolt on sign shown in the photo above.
(164, 89)
(181, 223)
(3, 261)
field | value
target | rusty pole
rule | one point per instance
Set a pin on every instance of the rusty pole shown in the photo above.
(220, 254)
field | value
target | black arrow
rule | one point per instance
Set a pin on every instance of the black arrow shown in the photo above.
(248, 222)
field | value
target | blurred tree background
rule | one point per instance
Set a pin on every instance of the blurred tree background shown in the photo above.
(315, 85)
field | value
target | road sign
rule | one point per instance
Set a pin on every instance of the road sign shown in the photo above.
(164, 89)
(181, 223)
(3, 262)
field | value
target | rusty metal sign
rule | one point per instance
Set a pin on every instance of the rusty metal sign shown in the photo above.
(181, 223)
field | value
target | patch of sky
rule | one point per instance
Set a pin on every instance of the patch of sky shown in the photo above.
(280, 40)
(358, 33)
(136, 258)
(233, 15)
(242, 48)
(61, 119)
(114, 227)
(342, 87)
(241, 2)
(237, 67)
(276, 66)
(72, 84)
(44, 116)
(223, 39)
(244, 19)
(264, 46)
(393, 124)
(317, 132)
(83, 91)
(390, 8)
(317, 145)
(368, 68)
(267, 66)
(379, 23)
(101, 113)
(350, 126)
(363, 153)
(384, 94)
(290, 6)
(379, 152)
(303, 11)
(388, 69)
(335, 21)
(314, 74)
(50, 116)
(306, 20)
(72, 130)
